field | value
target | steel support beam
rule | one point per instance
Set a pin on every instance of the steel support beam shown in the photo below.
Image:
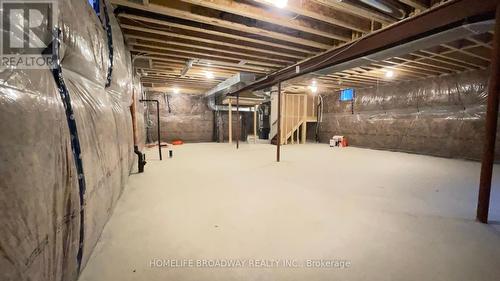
(158, 123)
(483, 204)
(432, 21)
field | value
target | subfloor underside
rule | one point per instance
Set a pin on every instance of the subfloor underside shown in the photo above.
(377, 215)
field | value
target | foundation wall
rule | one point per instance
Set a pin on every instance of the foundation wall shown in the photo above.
(441, 116)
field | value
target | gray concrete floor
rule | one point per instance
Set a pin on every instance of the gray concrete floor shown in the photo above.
(393, 216)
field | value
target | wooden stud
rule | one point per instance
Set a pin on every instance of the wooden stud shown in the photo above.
(278, 138)
(304, 121)
(280, 19)
(238, 124)
(255, 123)
(230, 122)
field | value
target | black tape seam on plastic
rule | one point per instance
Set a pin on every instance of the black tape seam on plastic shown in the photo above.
(110, 44)
(75, 141)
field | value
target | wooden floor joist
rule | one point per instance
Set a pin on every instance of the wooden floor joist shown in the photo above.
(226, 36)
(183, 10)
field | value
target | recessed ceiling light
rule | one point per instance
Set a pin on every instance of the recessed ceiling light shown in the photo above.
(313, 87)
(209, 74)
(176, 90)
(389, 73)
(280, 3)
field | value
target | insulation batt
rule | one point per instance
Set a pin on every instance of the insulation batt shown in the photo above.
(39, 198)
(442, 116)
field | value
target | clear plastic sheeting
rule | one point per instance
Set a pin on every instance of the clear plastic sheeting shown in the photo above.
(84, 47)
(120, 92)
(39, 202)
(140, 120)
(442, 116)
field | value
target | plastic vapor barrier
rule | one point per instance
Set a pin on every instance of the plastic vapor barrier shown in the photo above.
(442, 116)
(141, 121)
(40, 199)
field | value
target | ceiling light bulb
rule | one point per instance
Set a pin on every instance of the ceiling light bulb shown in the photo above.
(280, 3)
(209, 75)
(175, 90)
(389, 74)
(314, 89)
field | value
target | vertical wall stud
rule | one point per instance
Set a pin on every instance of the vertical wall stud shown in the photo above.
(230, 122)
(278, 138)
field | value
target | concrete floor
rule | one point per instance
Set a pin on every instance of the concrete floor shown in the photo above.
(393, 216)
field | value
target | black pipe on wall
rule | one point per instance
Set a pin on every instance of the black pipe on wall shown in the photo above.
(158, 122)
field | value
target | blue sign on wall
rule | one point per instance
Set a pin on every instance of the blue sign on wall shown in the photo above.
(95, 5)
(347, 95)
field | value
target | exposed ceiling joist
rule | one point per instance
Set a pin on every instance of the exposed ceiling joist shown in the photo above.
(201, 55)
(232, 63)
(240, 39)
(156, 42)
(369, 48)
(216, 65)
(357, 10)
(275, 17)
(417, 4)
(326, 14)
(185, 11)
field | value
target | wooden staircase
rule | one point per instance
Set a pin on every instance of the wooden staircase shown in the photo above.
(297, 110)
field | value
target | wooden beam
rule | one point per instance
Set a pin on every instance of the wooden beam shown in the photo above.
(438, 59)
(415, 4)
(238, 123)
(230, 123)
(198, 69)
(255, 124)
(241, 39)
(243, 101)
(304, 121)
(190, 78)
(425, 67)
(421, 25)
(215, 62)
(195, 73)
(240, 53)
(326, 14)
(357, 11)
(184, 11)
(464, 51)
(167, 88)
(216, 65)
(278, 135)
(257, 13)
(201, 54)
(177, 82)
(444, 56)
